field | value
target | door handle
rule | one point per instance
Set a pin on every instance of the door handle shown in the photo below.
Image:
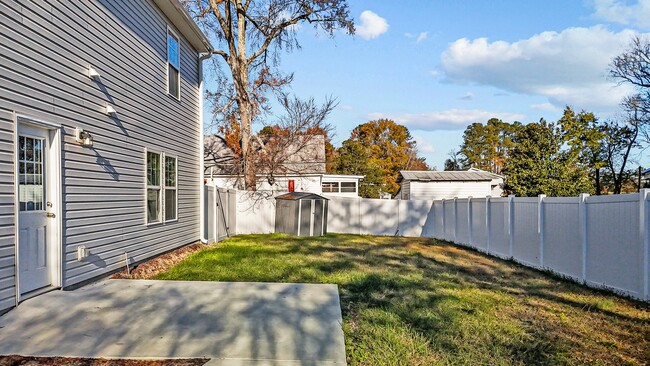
(50, 214)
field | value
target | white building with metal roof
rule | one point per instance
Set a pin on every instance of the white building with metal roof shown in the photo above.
(435, 185)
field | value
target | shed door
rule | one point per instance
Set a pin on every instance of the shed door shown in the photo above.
(36, 221)
(305, 217)
(318, 218)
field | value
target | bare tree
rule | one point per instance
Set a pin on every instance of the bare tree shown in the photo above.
(622, 138)
(250, 35)
(296, 143)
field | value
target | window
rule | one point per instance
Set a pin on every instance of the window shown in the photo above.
(30, 167)
(153, 187)
(331, 187)
(348, 187)
(173, 65)
(162, 188)
(171, 195)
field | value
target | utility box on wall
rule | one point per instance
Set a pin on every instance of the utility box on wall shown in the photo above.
(301, 213)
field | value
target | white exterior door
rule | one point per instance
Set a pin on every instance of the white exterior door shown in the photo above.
(36, 220)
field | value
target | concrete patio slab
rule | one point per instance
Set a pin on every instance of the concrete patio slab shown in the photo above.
(233, 323)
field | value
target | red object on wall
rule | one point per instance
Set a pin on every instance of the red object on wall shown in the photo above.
(292, 185)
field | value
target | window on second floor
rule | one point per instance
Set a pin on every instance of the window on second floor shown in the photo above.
(173, 65)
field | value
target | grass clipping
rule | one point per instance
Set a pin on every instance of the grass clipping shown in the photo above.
(149, 269)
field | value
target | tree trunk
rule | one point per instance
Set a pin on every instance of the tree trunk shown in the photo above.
(244, 100)
(598, 189)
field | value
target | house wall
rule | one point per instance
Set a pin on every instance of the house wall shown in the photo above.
(405, 190)
(47, 47)
(448, 190)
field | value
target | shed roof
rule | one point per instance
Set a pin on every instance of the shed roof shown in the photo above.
(445, 176)
(294, 196)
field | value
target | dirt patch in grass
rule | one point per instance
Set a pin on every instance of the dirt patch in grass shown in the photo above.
(15, 360)
(162, 263)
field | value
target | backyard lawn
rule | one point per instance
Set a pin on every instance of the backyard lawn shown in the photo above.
(409, 301)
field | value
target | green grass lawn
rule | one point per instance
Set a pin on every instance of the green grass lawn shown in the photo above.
(409, 301)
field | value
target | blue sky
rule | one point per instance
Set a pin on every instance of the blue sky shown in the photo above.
(437, 66)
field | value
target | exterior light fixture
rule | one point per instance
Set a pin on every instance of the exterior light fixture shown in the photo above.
(83, 137)
(93, 74)
(110, 110)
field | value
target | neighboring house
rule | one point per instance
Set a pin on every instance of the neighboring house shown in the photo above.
(434, 185)
(645, 178)
(100, 138)
(305, 171)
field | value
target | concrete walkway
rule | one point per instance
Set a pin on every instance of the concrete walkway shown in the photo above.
(233, 323)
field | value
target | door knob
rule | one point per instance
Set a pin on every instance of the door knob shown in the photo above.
(51, 214)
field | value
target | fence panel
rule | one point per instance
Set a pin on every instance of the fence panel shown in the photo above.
(499, 223)
(562, 241)
(462, 223)
(614, 253)
(209, 215)
(378, 217)
(413, 216)
(450, 219)
(479, 223)
(343, 215)
(525, 234)
(439, 218)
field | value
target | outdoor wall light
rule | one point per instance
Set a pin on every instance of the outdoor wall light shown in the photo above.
(110, 110)
(83, 137)
(93, 74)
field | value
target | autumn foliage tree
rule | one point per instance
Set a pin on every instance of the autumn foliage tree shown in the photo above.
(250, 36)
(379, 150)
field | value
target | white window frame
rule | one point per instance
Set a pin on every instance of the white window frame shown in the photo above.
(148, 187)
(165, 188)
(338, 187)
(170, 31)
(356, 188)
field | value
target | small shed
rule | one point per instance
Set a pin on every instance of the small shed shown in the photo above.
(301, 213)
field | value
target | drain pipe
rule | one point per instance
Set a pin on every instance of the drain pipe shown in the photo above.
(126, 260)
(202, 234)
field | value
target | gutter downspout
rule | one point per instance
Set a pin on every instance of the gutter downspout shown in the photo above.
(202, 236)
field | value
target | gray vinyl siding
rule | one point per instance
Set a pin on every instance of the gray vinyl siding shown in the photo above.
(7, 222)
(45, 49)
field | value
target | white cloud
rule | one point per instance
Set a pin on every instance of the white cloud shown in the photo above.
(418, 38)
(371, 25)
(569, 67)
(434, 73)
(548, 107)
(617, 11)
(423, 146)
(346, 107)
(467, 96)
(451, 119)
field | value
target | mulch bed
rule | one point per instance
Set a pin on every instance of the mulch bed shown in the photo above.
(15, 360)
(162, 263)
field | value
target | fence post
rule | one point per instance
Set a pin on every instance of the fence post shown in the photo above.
(469, 221)
(455, 219)
(487, 223)
(444, 229)
(644, 231)
(511, 222)
(540, 227)
(582, 215)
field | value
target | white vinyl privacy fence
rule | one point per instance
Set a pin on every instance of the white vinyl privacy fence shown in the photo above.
(602, 241)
